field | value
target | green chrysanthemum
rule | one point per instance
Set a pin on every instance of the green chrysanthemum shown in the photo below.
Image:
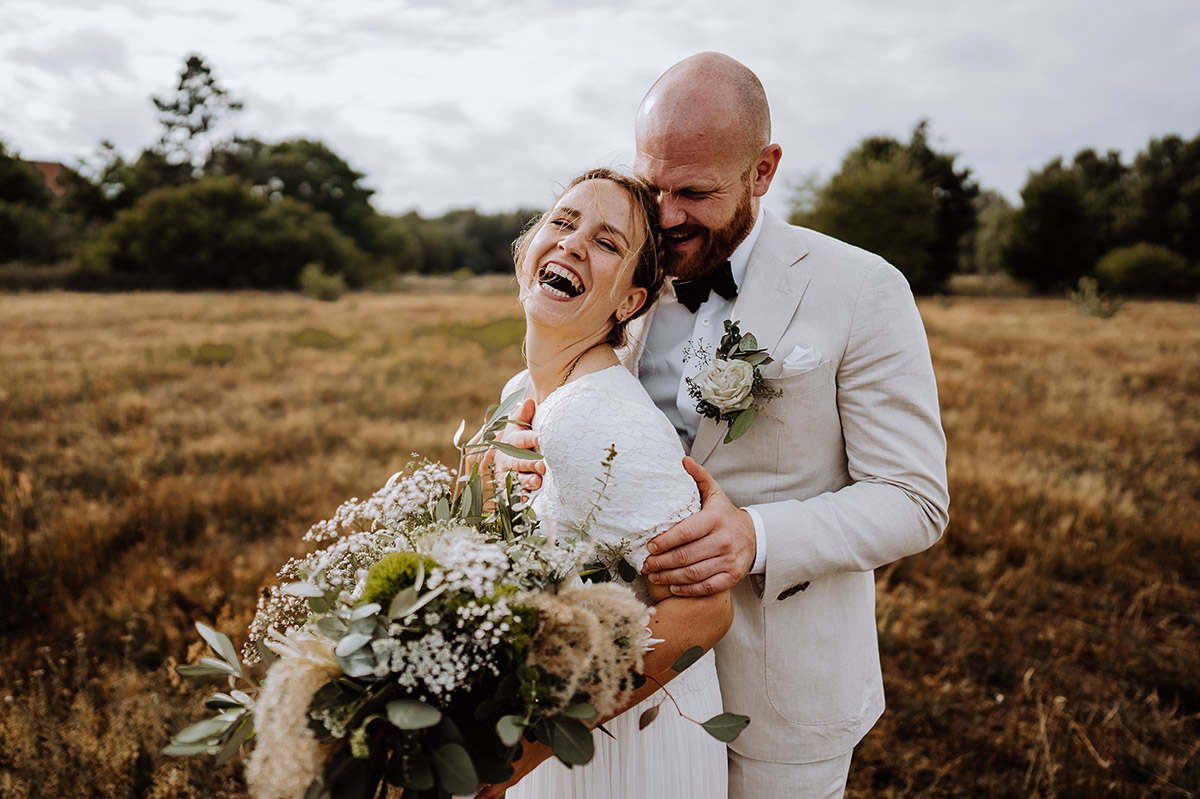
(393, 573)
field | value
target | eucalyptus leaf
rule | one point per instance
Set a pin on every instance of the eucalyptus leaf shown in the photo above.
(409, 714)
(410, 771)
(221, 644)
(234, 743)
(303, 589)
(573, 742)
(243, 698)
(648, 715)
(399, 613)
(509, 729)
(726, 726)
(318, 604)
(363, 611)
(206, 730)
(741, 424)
(221, 702)
(626, 570)
(517, 452)
(582, 710)
(331, 625)
(402, 601)
(351, 643)
(455, 771)
(441, 511)
(206, 666)
(359, 666)
(687, 658)
(186, 750)
(757, 358)
(749, 342)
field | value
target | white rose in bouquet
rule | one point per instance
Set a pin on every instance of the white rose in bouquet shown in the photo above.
(726, 384)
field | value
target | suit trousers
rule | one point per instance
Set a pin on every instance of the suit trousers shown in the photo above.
(758, 779)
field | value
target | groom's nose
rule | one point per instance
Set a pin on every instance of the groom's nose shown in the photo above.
(670, 214)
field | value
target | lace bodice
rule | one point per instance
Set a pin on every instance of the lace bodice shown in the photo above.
(646, 489)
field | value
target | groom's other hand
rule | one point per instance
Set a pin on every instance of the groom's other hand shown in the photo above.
(517, 433)
(708, 552)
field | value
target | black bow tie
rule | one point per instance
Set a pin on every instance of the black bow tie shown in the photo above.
(693, 293)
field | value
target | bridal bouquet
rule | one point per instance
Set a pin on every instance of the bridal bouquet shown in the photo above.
(419, 646)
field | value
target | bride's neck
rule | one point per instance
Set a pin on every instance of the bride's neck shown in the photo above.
(553, 360)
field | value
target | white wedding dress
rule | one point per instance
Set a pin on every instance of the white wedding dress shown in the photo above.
(647, 491)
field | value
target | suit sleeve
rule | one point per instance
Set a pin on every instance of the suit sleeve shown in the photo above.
(897, 502)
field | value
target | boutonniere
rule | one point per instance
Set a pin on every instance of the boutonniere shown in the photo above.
(729, 385)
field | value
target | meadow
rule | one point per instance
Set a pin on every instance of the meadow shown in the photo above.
(161, 454)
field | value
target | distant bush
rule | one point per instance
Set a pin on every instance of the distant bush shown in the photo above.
(315, 283)
(1147, 269)
(219, 234)
(1090, 302)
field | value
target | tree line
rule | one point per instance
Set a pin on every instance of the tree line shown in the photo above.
(198, 210)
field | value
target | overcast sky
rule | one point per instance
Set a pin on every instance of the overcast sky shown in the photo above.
(494, 103)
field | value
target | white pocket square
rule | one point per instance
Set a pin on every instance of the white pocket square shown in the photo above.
(799, 361)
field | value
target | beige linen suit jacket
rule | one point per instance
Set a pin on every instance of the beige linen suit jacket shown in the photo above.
(847, 470)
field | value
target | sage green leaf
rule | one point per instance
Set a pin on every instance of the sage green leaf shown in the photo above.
(413, 603)
(573, 742)
(749, 342)
(582, 710)
(462, 427)
(206, 730)
(517, 452)
(303, 589)
(409, 714)
(318, 604)
(331, 625)
(351, 643)
(757, 358)
(626, 570)
(205, 666)
(741, 424)
(363, 611)
(243, 697)
(441, 511)
(508, 730)
(687, 658)
(648, 715)
(726, 726)
(221, 644)
(186, 750)
(234, 743)
(456, 772)
(221, 702)
(466, 501)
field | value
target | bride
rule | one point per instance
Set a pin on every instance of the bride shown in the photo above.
(587, 267)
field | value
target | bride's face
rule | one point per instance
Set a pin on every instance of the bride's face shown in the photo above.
(577, 272)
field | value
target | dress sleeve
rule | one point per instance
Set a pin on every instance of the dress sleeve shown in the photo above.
(617, 468)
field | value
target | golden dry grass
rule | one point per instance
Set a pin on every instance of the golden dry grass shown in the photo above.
(160, 454)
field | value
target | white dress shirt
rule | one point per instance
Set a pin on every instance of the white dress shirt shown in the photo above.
(674, 333)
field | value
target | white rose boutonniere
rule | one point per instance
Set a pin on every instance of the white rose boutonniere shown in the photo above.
(729, 385)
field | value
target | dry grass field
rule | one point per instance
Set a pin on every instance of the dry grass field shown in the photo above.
(160, 455)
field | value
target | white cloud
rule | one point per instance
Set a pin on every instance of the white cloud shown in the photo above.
(477, 103)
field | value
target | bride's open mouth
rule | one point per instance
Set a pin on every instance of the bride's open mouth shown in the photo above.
(558, 281)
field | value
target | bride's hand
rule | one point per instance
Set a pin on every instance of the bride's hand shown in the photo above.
(708, 552)
(517, 433)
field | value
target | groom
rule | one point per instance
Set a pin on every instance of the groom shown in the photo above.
(842, 473)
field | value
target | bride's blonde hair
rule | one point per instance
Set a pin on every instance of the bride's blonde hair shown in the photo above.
(644, 257)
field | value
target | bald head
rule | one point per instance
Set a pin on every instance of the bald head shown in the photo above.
(708, 96)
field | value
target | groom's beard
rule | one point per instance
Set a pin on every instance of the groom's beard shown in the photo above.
(719, 244)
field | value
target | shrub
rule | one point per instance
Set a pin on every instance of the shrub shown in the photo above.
(217, 234)
(1090, 302)
(315, 283)
(1147, 269)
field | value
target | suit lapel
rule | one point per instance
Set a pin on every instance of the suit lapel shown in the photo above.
(765, 305)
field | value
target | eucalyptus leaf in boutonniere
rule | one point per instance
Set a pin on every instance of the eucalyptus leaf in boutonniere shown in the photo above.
(731, 383)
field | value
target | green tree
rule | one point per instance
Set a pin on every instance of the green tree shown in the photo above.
(217, 234)
(1052, 240)
(884, 206)
(993, 220)
(1164, 197)
(952, 208)
(190, 116)
(307, 171)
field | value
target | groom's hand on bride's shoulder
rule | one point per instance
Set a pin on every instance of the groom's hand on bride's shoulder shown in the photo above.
(518, 434)
(708, 552)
